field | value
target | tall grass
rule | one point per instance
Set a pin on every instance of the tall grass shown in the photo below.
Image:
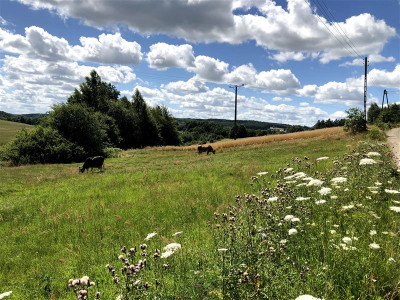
(8, 130)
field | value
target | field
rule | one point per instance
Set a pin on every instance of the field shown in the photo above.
(57, 224)
(9, 129)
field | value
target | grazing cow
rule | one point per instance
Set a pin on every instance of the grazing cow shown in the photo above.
(92, 162)
(207, 149)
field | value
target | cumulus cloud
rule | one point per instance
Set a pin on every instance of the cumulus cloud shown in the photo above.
(209, 68)
(284, 99)
(296, 31)
(373, 58)
(385, 78)
(193, 85)
(163, 56)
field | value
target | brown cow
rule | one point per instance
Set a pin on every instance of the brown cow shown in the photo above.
(207, 149)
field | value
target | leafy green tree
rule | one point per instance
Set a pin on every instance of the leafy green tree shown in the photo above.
(166, 125)
(295, 128)
(147, 130)
(355, 121)
(373, 113)
(80, 126)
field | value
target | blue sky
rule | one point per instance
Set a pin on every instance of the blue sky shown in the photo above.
(299, 60)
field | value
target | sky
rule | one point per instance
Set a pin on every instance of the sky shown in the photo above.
(299, 61)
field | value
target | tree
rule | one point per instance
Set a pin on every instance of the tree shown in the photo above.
(166, 125)
(373, 113)
(355, 121)
(147, 130)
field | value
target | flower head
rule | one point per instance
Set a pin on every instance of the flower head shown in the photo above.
(150, 235)
(367, 161)
(371, 154)
(322, 158)
(315, 182)
(325, 191)
(6, 294)
(374, 246)
(292, 231)
(339, 180)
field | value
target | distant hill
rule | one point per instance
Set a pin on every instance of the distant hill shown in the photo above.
(9, 129)
(229, 123)
(31, 119)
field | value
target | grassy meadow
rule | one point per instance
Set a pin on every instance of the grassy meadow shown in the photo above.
(8, 130)
(57, 224)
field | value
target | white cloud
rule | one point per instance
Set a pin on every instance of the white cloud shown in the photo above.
(209, 68)
(193, 85)
(384, 78)
(282, 99)
(278, 81)
(163, 56)
(289, 55)
(373, 58)
(293, 30)
(338, 115)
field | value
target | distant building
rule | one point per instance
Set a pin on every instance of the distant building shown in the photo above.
(277, 129)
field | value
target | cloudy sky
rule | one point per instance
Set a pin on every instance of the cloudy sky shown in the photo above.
(299, 60)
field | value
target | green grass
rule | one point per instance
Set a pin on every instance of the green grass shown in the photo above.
(8, 130)
(57, 224)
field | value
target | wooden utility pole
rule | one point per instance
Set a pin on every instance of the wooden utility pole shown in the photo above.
(235, 126)
(365, 88)
(383, 98)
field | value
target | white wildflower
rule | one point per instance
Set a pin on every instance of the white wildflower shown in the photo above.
(374, 192)
(119, 297)
(283, 242)
(332, 231)
(84, 280)
(299, 175)
(322, 158)
(166, 254)
(301, 184)
(334, 197)
(395, 208)
(396, 202)
(320, 202)
(347, 240)
(371, 154)
(307, 297)
(302, 198)
(292, 231)
(177, 233)
(378, 183)
(325, 191)
(346, 190)
(392, 191)
(373, 188)
(222, 249)
(136, 282)
(288, 170)
(289, 207)
(367, 161)
(288, 218)
(372, 232)
(385, 232)
(307, 178)
(335, 225)
(289, 177)
(6, 294)
(347, 207)
(391, 259)
(291, 181)
(150, 235)
(339, 180)
(315, 182)
(272, 199)
(262, 173)
(295, 220)
(170, 249)
(374, 246)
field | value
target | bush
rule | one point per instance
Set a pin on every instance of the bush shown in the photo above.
(355, 121)
(40, 145)
(376, 135)
(112, 152)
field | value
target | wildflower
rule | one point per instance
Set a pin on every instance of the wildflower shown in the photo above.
(222, 250)
(143, 246)
(6, 294)
(307, 178)
(396, 202)
(378, 183)
(373, 187)
(136, 282)
(302, 198)
(347, 207)
(150, 235)
(299, 175)
(395, 208)
(84, 280)
(295, 220)
(301, 184)
(289, 177)
(339, 180)
(283, 242)
(390, 259)
(374, 246)
(325, 191)
(372, 232)
(288, 170)
(315, 182)
(320, 202)
(392, 191)
(367, 161)
(272, 199)
(371, 154)
(322, 158)
(288, 217)
(177, 233)
(332, 231)
(335, 225)
(292, 231)
(121, 257)
(347, 240)
(170, 249)
(334, 197)
(307, 297)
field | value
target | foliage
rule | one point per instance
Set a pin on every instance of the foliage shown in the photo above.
(241, 132)
(375, 134)
(295, 128)
(40, 145)
(390, 114)
(373, 113)
(328, 123)
(112, 152)
(197, 132)
(355, 121)
(166, 125)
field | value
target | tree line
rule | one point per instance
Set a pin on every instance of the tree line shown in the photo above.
(93, 119)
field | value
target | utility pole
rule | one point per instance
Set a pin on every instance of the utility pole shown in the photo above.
(383, 98)
(234, 126)
(365, 88)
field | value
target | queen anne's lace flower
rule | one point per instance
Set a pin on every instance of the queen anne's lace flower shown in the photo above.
(307, 297)
(325, 191)
(371, 154)
(293, 231)
(367, 161)
(374, 246)
(150, 235)
(395, 209)
(339, 180)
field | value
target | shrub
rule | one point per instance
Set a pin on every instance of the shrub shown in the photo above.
(40, 145)
(376, 135)
(112, 152)
(355, 121)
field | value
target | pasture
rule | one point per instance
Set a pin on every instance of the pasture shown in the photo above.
(58, 224)
(8, 130)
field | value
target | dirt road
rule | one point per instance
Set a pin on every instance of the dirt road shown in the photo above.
(394, 143)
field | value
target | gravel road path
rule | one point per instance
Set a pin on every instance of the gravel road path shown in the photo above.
(394, 143)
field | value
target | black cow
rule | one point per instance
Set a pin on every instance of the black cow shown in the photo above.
(92, 162)
(207, 149)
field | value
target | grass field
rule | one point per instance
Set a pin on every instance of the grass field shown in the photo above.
(57, 224)
(8, 130)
